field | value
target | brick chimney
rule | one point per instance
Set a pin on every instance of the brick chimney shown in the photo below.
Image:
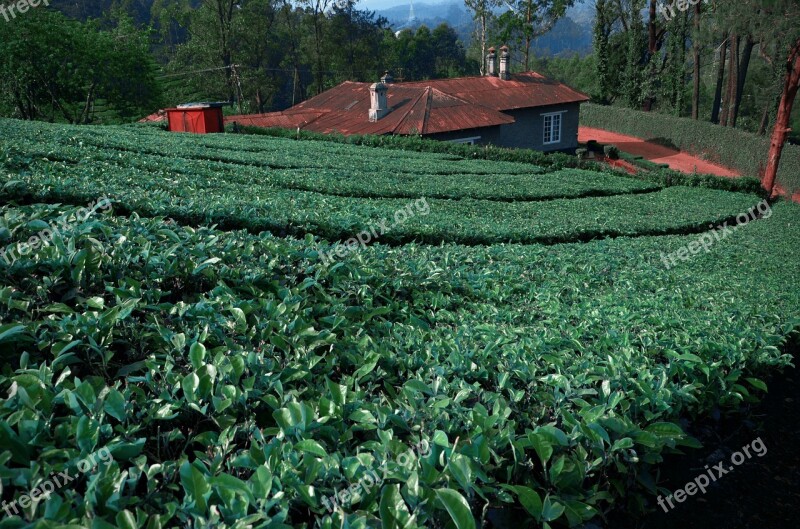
(378, 106)
(491, 63)
(505, 57)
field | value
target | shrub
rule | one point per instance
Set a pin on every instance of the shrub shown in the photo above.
(551, 161)
(555, 160)
(611, 152)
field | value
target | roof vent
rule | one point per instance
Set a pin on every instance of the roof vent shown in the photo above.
(491, 63)
(378, 106)
(505, 74)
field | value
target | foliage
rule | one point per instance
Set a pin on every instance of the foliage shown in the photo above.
(601, 32)
(524, 20)
(54, 68)
(236, 381)
(270, 185)
(634, 81)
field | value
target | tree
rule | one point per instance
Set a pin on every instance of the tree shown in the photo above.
(769, 21)
(316, 9)
(423, 58)
(696, 48)
(674, 80)
(715, 108)
(743, 67)
(635, 57)
(354, 38)
(601, 32)
(482, 13)
(527, 19)
(781, 129)
(57, 69)
(258, 53)
(448, 51)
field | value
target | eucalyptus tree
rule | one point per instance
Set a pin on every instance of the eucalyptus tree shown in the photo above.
(524, 20)
(482, 13)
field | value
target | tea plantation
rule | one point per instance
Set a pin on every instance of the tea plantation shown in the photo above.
(516, 345)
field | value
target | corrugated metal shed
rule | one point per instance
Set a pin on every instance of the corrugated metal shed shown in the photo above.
(199, 119)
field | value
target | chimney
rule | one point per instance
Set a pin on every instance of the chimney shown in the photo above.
(387, 78)
(505, 74)
(491, 63)
(378, 106)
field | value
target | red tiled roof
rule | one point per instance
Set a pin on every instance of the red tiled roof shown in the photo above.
(413, 110)
(288, 120)
(155, 117)
(524, 90)
(424, 107)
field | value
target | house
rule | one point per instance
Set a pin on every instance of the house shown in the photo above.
(524, 110)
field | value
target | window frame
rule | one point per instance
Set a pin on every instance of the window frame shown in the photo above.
(466, 141)
(550, 116)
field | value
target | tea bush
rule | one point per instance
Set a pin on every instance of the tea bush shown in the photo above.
(237, 380)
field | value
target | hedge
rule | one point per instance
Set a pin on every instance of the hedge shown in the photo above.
(552, 161)
(740, 150)
(556, 160)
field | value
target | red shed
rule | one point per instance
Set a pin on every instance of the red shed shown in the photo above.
(200, 118)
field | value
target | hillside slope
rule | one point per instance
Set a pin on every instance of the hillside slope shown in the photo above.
(187, 372)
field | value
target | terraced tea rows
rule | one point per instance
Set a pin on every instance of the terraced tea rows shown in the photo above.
(238, 190)
(236, 379)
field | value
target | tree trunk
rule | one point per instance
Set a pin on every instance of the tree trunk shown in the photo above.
(23, 109)
(528, 37)
(730, 90)
(744, 64)
(720, 77)
(224, 16)
(87, 107)
(651, 28)
(696, 60)
(762, 127)
(483, 43)
(622, 18)
(652, 45)
(781, 129)
(259, 101)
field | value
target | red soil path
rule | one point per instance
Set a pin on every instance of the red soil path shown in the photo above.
(677, 160)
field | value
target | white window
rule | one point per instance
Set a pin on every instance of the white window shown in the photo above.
(468, 141)
(552, 127)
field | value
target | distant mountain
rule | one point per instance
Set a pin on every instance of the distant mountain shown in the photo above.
(566, 38)
(572, 34)
(453, 13)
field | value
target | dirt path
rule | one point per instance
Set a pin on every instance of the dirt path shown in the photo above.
(677, 160)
